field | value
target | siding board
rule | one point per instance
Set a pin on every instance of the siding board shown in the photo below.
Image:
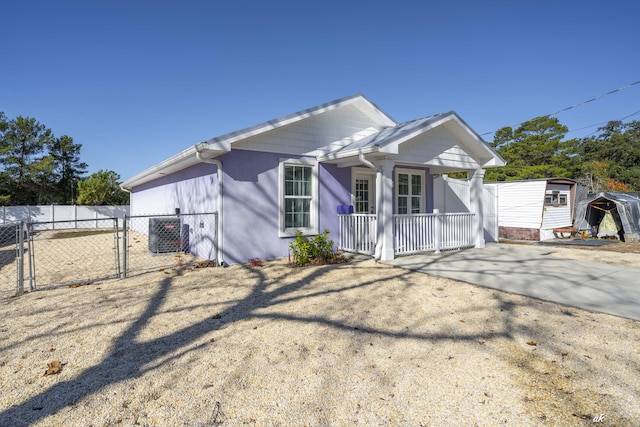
(520, 204)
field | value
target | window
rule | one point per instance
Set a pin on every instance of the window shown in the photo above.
(298, 197)
(555, 198)
(409, 191)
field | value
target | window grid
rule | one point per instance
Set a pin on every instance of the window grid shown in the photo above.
(409, 199)
(297, 196)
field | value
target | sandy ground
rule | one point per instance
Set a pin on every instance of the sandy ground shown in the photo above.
(622, 253)
(352, 344)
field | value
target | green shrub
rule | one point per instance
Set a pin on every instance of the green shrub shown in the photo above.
(316, 249)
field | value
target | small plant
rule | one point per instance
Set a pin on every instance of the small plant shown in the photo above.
(307, 250)
(256, 262)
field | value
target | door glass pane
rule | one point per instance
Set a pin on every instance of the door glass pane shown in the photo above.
(362, 196)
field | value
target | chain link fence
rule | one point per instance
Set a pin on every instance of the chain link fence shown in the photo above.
(10, 258)
(81, 251)
(72, 252)
(166, 242)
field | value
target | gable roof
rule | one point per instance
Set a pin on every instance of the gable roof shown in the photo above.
(383, 136)
(388, 141)
(222, 144)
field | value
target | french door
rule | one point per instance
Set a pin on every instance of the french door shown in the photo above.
(364, 193)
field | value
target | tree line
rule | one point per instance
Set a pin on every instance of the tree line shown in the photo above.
(608, 160)
(38, 168)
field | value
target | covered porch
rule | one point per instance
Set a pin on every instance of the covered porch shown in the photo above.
(394, 212)
(412, 234)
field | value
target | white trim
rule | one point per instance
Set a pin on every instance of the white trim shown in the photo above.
(423, 196)
(291, 232)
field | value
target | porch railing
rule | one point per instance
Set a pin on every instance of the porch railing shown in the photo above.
(432, 232)
(412, 234)
(358, 233)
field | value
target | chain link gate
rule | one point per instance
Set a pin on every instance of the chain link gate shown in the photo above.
(166, 242)
(12, 249)
(72, 252)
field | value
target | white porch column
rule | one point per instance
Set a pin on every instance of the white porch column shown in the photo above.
(476, 190)
(384, 208)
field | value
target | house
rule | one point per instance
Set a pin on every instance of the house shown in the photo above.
(610, 215)
(533, 209)
(345, 166)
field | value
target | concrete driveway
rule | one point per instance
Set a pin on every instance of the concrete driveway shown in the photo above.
(530, 270)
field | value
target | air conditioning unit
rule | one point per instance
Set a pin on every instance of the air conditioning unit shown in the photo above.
(165, 235)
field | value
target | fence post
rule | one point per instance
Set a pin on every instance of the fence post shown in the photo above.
(20, 284)
(438, 230)
(124, 247)
(32, 259)
(116, 245)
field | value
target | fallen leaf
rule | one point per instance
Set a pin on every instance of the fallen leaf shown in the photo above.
(53, 368)
(77, 285)
(52, 349)
(204, 264)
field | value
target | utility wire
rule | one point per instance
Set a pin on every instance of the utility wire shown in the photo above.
(580, 104)
(602, 123)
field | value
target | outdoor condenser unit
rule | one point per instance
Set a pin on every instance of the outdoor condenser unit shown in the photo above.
(165, 235)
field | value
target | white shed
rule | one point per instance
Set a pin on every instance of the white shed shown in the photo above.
(532, 209)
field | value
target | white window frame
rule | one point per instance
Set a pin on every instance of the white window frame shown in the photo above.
(557, 198)
(313, 229)
(423, 196)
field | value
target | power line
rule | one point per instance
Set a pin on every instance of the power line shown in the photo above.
(580, 104)
(602, 123)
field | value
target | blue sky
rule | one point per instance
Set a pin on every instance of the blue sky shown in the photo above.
(135, 82)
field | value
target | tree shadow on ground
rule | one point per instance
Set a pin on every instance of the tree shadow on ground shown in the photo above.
(131, 358)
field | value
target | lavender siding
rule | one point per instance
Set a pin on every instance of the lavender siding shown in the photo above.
(193, 190)
(250, 217)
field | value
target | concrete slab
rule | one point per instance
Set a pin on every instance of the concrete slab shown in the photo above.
(531, 270)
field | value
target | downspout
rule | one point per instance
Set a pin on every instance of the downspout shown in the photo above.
(218, 164)
(129, 192)
(378, 251)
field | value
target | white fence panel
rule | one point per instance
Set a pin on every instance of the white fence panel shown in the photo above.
(49, 213)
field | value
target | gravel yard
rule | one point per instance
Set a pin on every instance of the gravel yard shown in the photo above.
(351, 344)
